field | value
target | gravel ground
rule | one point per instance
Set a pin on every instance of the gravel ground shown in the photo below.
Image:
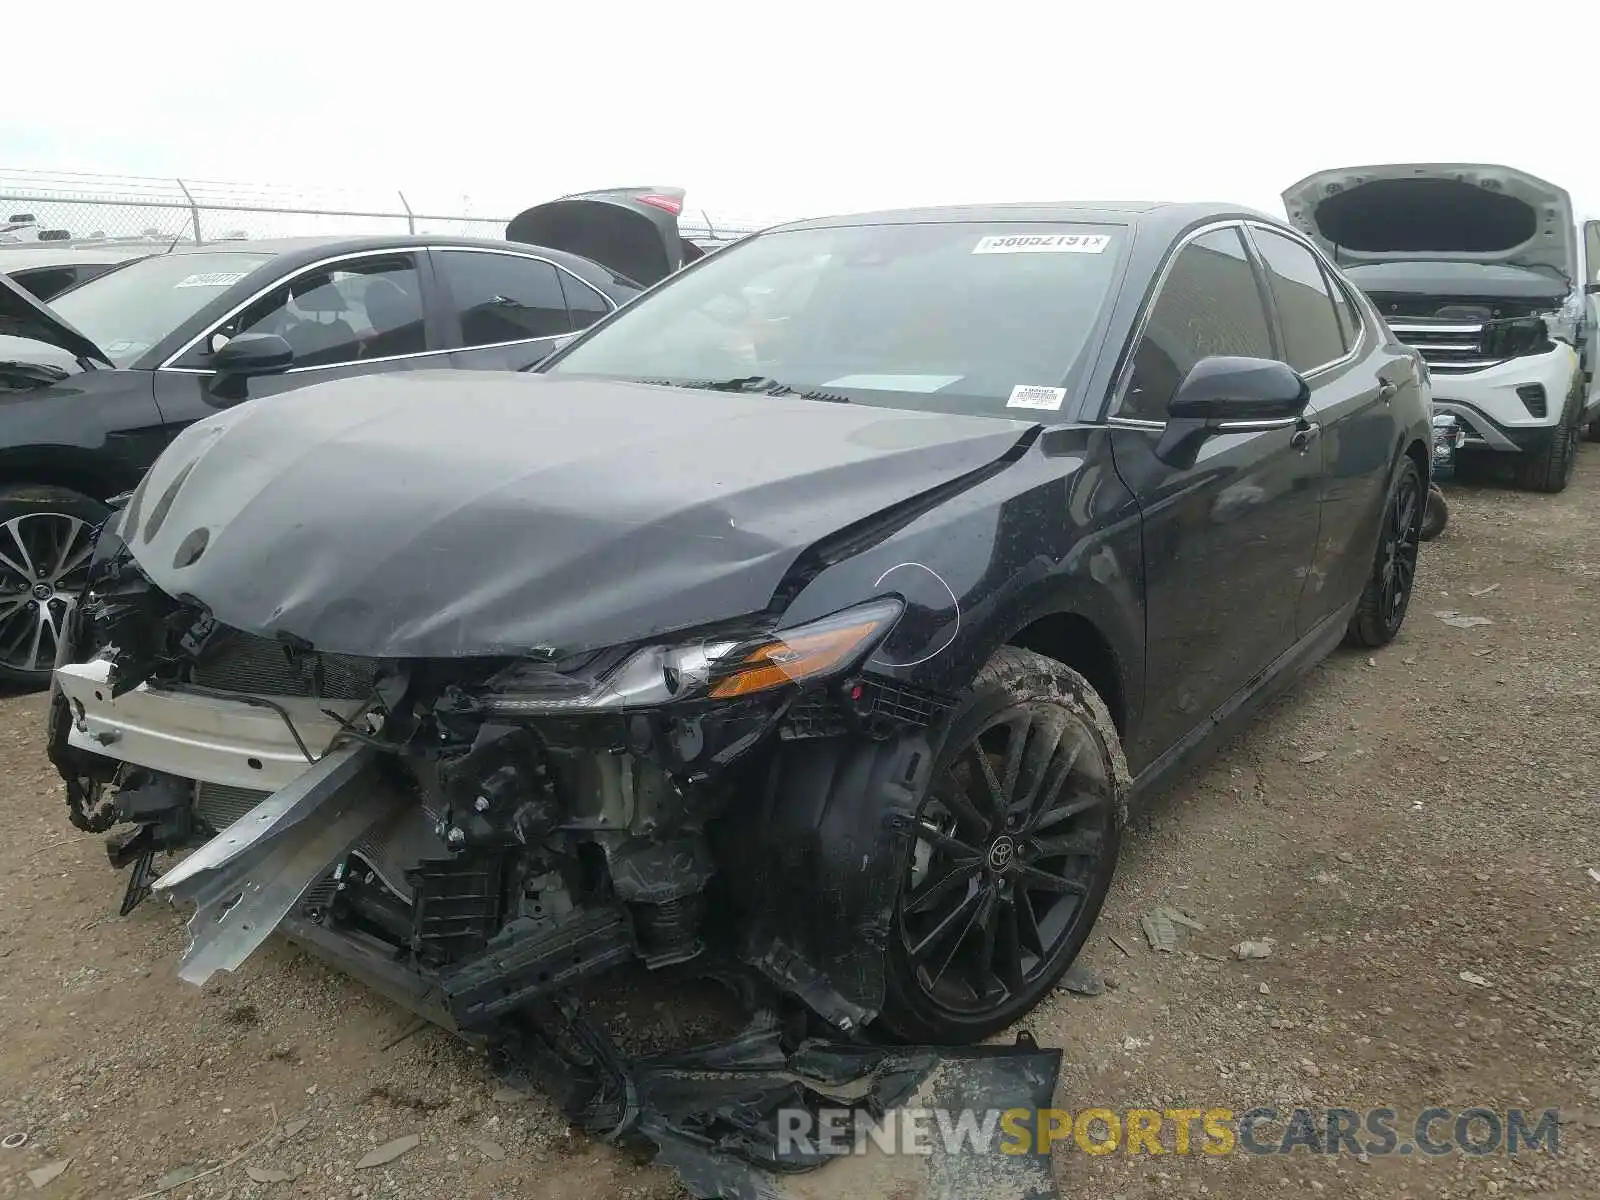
(1393, 823)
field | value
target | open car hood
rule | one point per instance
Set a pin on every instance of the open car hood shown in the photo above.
(465, 513)
(24, 316)
(631, 230)
(1443, 212)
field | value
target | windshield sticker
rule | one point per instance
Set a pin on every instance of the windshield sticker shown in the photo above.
(894, 383)
(1025, 396)
(1044, 243)
(216, 279)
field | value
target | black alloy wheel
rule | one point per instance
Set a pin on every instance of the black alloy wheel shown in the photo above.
(1015, 844)
(1383, 605)
(45, 545)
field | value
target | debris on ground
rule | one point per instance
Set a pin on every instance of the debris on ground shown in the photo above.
(1593, 874)
(1253, 949)
(1118, 943)
(268, 1175)
(1474, 979)
(1458, 621)
(41, 1176)
(1082, 981)
(490, 1150)
(293, 1127)
(1345, 857)
(178, 1177)
(1314, 756)
(1159, 931)
(15, 1141)
(1484, 591)
(1161, 927)
(389, 1151)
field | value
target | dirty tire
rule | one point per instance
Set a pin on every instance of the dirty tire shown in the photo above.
(45, 538)
(1387, 595)
(1550, 469)
(1437, 515)
(1025, 808)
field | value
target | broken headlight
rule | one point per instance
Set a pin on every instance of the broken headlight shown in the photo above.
(707, 669)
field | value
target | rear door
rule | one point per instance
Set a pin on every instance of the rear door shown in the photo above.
(1350, 418)
(355, 315)
(1227, 542)
(505, 310)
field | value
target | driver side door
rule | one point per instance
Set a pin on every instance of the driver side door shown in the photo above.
(1226, 543)
(355, 315)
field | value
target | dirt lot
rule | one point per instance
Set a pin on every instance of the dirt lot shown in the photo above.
(1396, 821)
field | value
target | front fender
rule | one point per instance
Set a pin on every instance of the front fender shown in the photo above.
(1055, 533)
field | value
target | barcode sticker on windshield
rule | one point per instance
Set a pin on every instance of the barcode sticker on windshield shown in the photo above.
(1025, 396)
(1044, 243)
(211, 279)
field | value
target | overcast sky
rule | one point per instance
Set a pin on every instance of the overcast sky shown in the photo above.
(773, 111)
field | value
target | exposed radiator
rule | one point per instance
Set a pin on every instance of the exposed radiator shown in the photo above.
(242, 662)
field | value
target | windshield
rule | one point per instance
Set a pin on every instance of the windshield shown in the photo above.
(978, 318)
(128, 310)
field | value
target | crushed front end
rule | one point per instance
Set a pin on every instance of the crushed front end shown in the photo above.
(483, 838)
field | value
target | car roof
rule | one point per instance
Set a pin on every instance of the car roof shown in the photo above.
(298, 251)
(55, 254)
(1154, 215)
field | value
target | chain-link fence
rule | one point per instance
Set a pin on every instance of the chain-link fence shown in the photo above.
(63, 206)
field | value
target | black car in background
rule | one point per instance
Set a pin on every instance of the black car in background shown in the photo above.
(97, 384)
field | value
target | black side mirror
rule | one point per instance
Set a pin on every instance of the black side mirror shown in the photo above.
(254, 354)
(1222, 390)
(244, 358)
(1591, 289)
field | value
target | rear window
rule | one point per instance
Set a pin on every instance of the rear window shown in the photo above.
(977, 318)
(128, 310)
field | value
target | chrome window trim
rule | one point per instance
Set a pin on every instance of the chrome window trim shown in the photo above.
(1265, 425)
(1330, 276)
(1119, 391)
(360, 254)
(328, 366)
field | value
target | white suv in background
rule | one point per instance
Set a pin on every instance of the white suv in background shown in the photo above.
(1477, 267)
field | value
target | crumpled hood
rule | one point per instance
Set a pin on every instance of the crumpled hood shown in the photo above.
(459, 513)
(1449, 212)
(24, 316)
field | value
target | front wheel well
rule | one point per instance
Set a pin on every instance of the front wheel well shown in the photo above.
(16, 480)
(1420, 454)
(1074, 641)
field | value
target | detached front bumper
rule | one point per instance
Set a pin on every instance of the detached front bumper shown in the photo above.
(264, 744)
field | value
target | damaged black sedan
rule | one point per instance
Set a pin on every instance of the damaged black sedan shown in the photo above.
(811, 622)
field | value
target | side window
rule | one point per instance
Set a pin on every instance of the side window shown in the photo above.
(1349, 322)
(584, 303)
(502, 297)
(1311, 334)
(1209, 304)
(343, 313)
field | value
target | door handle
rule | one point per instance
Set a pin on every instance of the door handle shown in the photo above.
(1303, 437)
(1388, 391)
